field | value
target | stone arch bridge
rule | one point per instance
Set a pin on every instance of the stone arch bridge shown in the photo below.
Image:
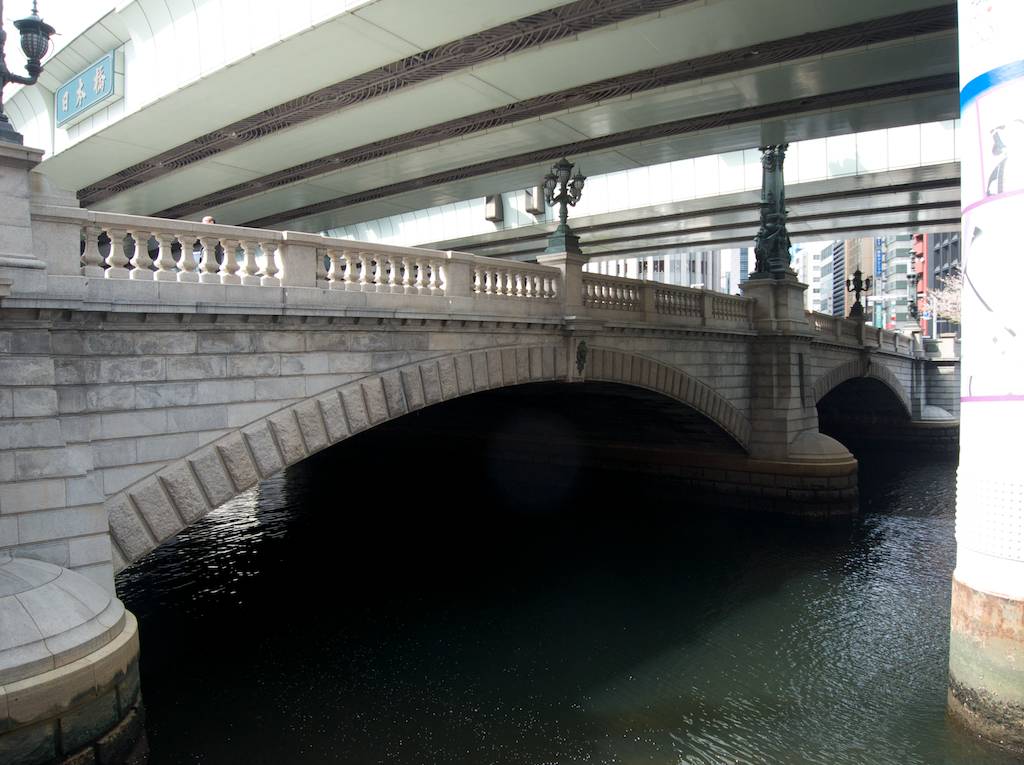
(142, 388)
(151, 369)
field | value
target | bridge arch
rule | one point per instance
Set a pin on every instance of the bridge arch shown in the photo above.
(862, 368)
(164, 503)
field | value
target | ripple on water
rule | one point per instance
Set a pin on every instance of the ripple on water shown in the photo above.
(336, 631)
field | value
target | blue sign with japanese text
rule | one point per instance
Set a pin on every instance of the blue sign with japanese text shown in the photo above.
(878, 257)
(85, 90)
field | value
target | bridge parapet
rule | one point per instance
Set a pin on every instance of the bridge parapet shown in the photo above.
(857, 334)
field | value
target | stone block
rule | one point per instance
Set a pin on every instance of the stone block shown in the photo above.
(522, 363)
(464, 373)
(195, 367)
(103, 397)
(495, 376)
(349, 363)
(224, 391)
(226, 341)
(370, 341)
(280, 342)
(138, 369)
(314, 433)
(128, 424)
(86, 551)
(289, 436)
(355, 408)
(156, 509)
(239, 464)
(8, 535)
(129, 688)
(109, 343)
(87, 722)
(30, 745)
(480, 379)
(184, 490)
(412, 385)
(303, 364)
(448, 378)
(164, 448)
(334, 417)
(127, 529)
(164, 394)
(32, 464)
(165, 343)
(326, 340)
(28, 496)
(385, 360)
(394, 395)
(48, 525)
(30, 341)
(264, 449)
(212, 475)
(26, 371)
(376, 400)
(508, 366)
(55, 552)
(561, 362)
(116, 746)
(431, 383)
(279, 388)
(254, 365)
(34, 402)
(548, 362)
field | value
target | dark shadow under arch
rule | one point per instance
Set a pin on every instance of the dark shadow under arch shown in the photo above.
(167, 501)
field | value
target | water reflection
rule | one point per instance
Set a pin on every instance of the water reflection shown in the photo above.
(311, 621)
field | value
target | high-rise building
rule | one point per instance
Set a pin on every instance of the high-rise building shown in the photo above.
(825, 279)
(839, 278)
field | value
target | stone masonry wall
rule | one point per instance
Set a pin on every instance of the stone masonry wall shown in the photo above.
(91, 403)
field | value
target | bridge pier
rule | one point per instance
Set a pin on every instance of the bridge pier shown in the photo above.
(783, 414)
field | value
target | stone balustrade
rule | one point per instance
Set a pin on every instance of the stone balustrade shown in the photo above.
(183, 256)
(855, 333)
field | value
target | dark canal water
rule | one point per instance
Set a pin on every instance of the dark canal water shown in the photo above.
(401, 600)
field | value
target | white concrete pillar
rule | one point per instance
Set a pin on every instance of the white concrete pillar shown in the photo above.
(986, 656)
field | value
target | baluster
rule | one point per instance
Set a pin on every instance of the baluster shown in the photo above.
(421, 277)
(478, 286)
(229, 268)
(409, 277)
(365, 277)
(380, 273)
(164, 260)
(250, 267)
(186, 259)
(268, 276)
(141, 262)
(208, 266)
(92, 261)
(487, 287)
(528, 286)
(395, 286)
(116, 261)
(335, 279)
(351, 281)
(435, 278)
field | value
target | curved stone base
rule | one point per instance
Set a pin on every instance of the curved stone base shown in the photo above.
(87, 711)
(986, 666)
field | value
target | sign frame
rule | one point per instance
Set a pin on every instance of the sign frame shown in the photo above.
(111, 81)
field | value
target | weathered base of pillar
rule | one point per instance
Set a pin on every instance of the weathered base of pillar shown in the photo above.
(907, 436)
(986, 666)
(88, 709)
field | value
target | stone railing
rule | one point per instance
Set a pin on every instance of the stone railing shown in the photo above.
(212, 266)
(633, 300)
(111, 247)
(855, 333)
(613, 293)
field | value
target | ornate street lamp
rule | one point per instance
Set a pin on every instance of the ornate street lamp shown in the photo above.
(563, 240)
(857, 285)
(35, 41)
(771, 245)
